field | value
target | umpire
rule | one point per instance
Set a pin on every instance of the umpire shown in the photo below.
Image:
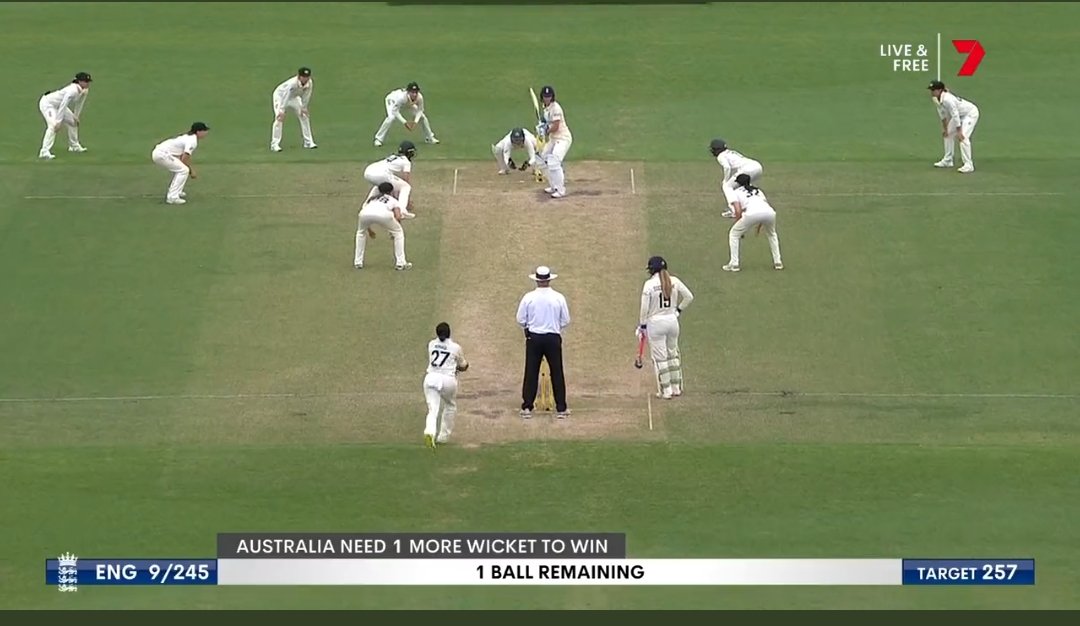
(543, 315)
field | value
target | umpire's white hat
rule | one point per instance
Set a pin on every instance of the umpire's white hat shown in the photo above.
(543, 272)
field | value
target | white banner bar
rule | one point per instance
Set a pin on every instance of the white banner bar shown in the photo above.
(448, 572)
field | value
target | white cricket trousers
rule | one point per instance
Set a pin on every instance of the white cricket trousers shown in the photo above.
(375, 174)
(552, 157)
(440, 391)
(296, 107)
(663, 333)
(378, 216)
(55, 118)
(391, 115)
(179, 170)
(967, 125)
(752, 168)
(767, 219)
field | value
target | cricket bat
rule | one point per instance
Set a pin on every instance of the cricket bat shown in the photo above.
(639, 362)
(545, 399)
(537, 173)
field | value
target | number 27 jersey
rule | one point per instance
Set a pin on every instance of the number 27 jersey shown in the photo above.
(444, 357)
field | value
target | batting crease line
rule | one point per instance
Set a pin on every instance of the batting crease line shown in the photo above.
(633, 187)
(363, 394)
(672, 192)
(648, 400)
(454, 192)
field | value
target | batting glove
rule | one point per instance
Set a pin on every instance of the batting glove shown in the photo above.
(642, 331)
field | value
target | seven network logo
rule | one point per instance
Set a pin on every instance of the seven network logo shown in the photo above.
(916, 57)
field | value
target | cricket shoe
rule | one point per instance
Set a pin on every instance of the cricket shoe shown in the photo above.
(358, 266)
(183, 194)
(378, 144)
(664, 396)
(401, 268)
(558, 194)
(76, 149)
(562, 414)
(778, 266)
(549, 190)
(408, 215)
(730, 268)
(526, 414)
(48, 156)
(275, 148)
(429, 441)
(676, 391)
(728, 213)
(966, 169)
(432, 140)
(943, 163)
(502, 172)
(311, 147)
(175, 201)
(442, 440)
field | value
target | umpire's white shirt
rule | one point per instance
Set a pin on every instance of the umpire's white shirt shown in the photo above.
(543, 310)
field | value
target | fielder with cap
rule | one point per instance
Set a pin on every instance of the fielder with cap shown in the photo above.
(734, 163)
(554, 130)
(398, 100)
(295, 94)
(958, 120)
(543, 314)
(175, 155)
(516, 139)
(62, 108)
(395, 169)
(663, 299)
(445, 361)
(381, 209)
(752, 208)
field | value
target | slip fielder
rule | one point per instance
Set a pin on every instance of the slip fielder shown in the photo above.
(63, 107)
(558, 140)
(175, 155)
(733, 163)
(958, 120)
(517, 138)
(295, 94)
(663, 298)
(395, 169)
(445, 361)
(407, 98)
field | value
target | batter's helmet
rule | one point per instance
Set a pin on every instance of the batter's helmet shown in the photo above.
(412, 87)
(716, 146)
(547, 91)
(656, 264)
(517, 136)
(407, 148)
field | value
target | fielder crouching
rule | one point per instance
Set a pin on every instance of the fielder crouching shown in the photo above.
(516, 139)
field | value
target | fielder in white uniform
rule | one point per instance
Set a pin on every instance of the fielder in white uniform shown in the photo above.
(395, 169)
(663, 298)
(517, 138)
(734, 163)
(445, 360)
(381, 209)
(752, 208)
(554, 130)
(958, 120)
(175, 155)
(407, 98)
(295, 94)
(63, 108)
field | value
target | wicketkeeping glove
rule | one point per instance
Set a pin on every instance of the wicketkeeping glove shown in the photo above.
(510, 162)
(524, 166)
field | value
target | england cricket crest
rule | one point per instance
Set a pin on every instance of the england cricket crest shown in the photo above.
(67, 573)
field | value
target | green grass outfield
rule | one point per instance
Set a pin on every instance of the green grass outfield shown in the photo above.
(906, 387)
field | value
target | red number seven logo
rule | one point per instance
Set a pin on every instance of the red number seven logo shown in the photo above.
(975, 52)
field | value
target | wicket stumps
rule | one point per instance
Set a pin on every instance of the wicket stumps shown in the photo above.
(545, 398)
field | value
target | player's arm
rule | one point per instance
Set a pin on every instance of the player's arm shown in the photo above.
(737, 208)
(406, 174)
(77, 107)
(396, 103)
(462, 362)
(522, 319)
(728, 171)
(530, 150)
(643, 314)
(419, 105)
(951, 112)
(305, 95)
(185, 158)
(564, 314)
(685, 295)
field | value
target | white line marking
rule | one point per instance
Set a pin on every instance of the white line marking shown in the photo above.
(666, 192)
(648, 398)
(633, 187)
(466, 396)
(939, 56)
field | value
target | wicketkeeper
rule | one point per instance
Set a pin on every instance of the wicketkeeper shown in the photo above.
(516, 139)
